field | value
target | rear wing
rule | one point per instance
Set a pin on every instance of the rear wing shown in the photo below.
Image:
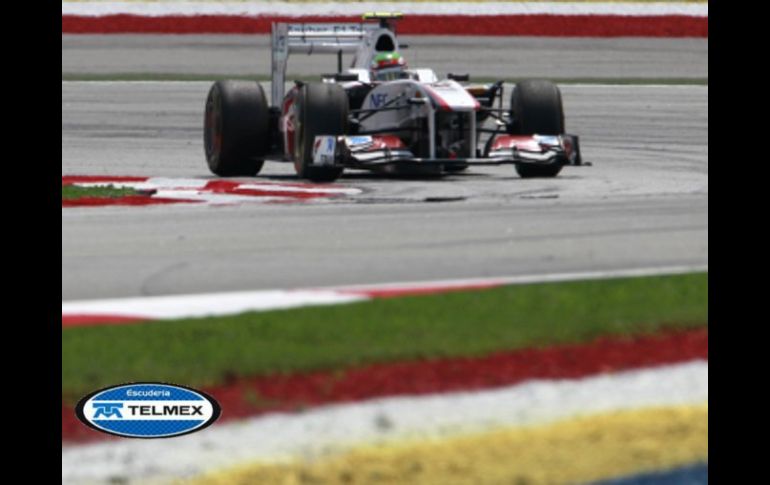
(311, 39)
(327, 38)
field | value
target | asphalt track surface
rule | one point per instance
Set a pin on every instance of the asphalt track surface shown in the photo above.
(643, 203)
(507, 57)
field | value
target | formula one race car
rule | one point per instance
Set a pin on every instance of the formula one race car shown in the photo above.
(380, 115)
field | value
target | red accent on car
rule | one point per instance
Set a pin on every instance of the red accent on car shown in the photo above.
(523, 142)
(287, 123)
(437, 98)
(569, 148)
(386, 141)
(390, 62)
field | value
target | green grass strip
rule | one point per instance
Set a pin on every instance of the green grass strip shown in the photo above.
(160, 76)
(73, 192)
(208, 351)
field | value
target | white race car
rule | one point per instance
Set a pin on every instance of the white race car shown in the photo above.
(379, 114)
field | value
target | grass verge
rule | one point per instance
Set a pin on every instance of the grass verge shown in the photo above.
(73, 192)
(209, 351)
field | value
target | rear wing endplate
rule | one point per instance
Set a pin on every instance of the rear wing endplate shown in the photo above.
(310, 39)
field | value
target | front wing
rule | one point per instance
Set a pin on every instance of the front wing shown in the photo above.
(379, 151)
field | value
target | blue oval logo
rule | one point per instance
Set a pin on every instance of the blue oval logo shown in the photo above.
(148, 410)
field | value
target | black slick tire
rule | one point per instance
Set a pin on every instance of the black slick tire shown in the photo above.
(536, 108)
(236, 128)
(322, 109)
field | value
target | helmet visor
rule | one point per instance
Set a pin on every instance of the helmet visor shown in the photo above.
(389, 74)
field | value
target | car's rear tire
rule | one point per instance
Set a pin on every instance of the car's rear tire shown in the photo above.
(322, 109)
(536, 108)
(236, 134)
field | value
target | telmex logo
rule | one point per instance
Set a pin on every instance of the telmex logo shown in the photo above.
(148, 410)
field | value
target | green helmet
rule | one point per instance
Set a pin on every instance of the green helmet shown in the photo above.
(387, 66)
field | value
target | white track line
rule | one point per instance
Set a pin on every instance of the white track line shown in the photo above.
(190, 306)
(159, 9)
(217, 304)
(535, 278)
(336, 428)
(308, 190)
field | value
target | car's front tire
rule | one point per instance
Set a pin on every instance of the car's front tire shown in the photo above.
(536, 108)
(322, 109)
(236, 128)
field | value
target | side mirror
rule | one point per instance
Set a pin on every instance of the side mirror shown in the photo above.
(459, 77)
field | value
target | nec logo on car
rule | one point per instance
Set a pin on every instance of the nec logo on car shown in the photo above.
(378, 99)
(148, 410)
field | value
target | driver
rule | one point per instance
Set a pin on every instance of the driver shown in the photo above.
(387, 66)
